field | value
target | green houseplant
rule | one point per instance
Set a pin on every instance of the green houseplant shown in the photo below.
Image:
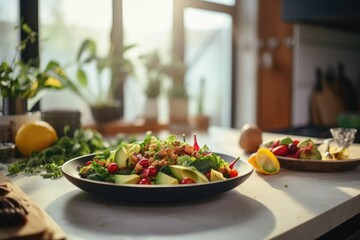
(101, 100)
(177, 94)
(157, 74)
(20, 81)
(154, 74)
(200, 121)
(154, 80)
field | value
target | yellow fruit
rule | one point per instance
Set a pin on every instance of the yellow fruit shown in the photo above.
(264, 161)
(35, 136)
(253, 162)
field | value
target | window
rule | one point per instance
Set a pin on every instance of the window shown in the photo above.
(148, 25)
(9, 19)
(208, 57)
(64, 24)
(207, 46)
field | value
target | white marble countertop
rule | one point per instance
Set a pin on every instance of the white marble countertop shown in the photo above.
(288, 205)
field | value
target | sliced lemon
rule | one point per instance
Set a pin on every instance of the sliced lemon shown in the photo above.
(264, 161)
(267, 161)
(253, 162)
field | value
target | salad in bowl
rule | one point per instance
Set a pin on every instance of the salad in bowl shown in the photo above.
(158, 162)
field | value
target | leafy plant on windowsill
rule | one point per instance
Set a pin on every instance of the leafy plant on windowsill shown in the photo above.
(87, 57)
(25, 80)
(153, 74)
(176, 71)
(156, 73)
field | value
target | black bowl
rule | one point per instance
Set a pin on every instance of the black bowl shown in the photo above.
(154, 193)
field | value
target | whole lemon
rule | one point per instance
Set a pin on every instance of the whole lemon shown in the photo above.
(34, 136)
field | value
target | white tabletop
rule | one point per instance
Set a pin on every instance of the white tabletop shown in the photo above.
(288, 205)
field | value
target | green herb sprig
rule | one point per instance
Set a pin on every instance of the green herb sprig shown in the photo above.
(48, 162)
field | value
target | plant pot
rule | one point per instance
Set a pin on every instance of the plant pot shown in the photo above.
(58, 119)
(200, 122)
(151, 110)
(106, 113)
(14, 105)
(178, 110)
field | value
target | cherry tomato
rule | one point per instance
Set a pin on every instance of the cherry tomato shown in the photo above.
(145, 181)
(280, 150)
(112, 168)
(187, 180)
(151, 171)
(233, 173)
(295, 142)
(144, 162)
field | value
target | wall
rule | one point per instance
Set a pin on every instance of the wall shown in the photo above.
(319, 47)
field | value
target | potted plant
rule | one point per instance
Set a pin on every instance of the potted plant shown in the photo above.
(103, 104)
(154, 76)
(177, 94)
(200, 121)
(21, 81)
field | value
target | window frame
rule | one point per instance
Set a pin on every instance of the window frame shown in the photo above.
(29, 13)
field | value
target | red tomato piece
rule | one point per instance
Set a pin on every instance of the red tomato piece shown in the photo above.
(233, 173)
(112, 168)
(187, 180)
(144, 162)
(151, 171)
(88, 163)
(145, 181)
(280, 150)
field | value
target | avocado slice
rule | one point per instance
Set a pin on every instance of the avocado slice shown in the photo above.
(121, 157)
(216, 176)
(285, 141)
(306, 153)
(180, 172)
(305, 143)
(163, 178)
(126, 179)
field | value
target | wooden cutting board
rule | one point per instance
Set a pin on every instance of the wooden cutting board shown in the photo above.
(39, 224)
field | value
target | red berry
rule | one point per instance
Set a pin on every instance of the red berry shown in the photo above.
(292, 148)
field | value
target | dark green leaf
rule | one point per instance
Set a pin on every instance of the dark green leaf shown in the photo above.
(87, 47)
